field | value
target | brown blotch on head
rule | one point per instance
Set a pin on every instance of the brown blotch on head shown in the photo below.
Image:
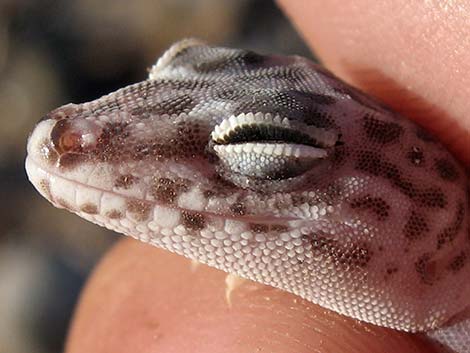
(426, 268)
(140, 209)
(390, 271)
(416, 227)
(187, 142)
(71, 160)
(167, 190)
(431, 197)
(334, 192)
(238, 209)
(89, 208)
(446, 169)
(64, 204)
(381, 131)
(416, 156)
(193, 220)
(375, 204)
(355, 255)
(458, 262)
(279, 228)
(114, 214)
(449, 233)
(319, 118)
(259, 227)
(45, 187)
(125, 181)
(372, 163)
(423, 135)
(252, 59)
(298, 199)
(339, 155)
(110, 144)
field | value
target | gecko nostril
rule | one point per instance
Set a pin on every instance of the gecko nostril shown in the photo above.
(74, 136)
(64, 139)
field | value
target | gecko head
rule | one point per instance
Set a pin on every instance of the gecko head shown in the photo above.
(270, 167)
(218, 121)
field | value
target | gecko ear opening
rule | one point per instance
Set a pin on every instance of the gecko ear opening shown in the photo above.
(265, 147)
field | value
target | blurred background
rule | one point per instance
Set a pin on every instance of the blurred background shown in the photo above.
(53, 52)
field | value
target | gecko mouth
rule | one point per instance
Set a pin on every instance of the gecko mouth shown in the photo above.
(130, 215)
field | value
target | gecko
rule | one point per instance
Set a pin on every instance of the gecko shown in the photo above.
(271, 168)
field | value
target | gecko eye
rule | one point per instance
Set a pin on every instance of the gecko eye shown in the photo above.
(267, 147)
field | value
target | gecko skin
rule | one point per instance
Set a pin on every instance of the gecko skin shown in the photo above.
(271, 168)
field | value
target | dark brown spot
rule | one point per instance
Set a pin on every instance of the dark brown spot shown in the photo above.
(279, 228)
(167, 190)
(449, 233)
(339, 155)
(111, 142)
(381, 131)
(446, 169)
(250, 58)
(376, 204)
(391, 270)
(139, 209)
(458, 262)
(318, 118)
(125, 181)
(298, 199)
(259, 227)
(431, 197)
(89, 208)
(71, 160)
(423, 135)
(193, 220)
(214, 64)
(238, 209)
(64, 204)
(426, 268)
(416, 227)
(416, 156)
(372, 163)
(45, 187)
(114, 214)
(354, 255)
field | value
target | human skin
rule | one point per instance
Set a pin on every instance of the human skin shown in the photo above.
(412, 55)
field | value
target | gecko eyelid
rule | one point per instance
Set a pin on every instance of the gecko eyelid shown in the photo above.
(267, 147)
(265, 127)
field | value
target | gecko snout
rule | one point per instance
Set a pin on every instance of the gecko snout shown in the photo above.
(62, 136)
